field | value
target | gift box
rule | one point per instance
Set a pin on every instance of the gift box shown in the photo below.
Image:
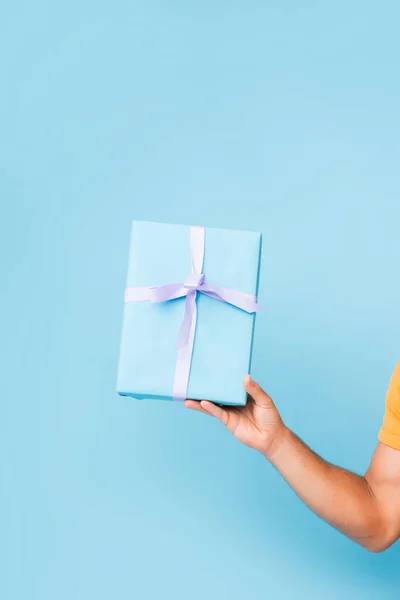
(189, 313)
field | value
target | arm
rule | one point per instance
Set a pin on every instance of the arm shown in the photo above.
(366, 509)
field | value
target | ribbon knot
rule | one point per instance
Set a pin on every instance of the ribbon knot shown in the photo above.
(194, 283)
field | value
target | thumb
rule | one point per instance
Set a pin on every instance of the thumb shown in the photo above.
(260, 397)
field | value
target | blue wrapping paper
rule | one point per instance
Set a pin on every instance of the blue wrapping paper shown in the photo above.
(159, 255)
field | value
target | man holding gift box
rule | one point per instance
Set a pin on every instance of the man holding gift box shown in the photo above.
(201, 352)
(366, 509)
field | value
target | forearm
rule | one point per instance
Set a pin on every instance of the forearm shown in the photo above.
(343, 499)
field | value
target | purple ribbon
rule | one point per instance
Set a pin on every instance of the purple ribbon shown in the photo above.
(195, 282)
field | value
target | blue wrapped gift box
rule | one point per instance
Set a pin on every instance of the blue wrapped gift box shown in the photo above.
(160, 254)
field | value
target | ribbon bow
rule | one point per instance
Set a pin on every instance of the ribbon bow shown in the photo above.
(194, 283)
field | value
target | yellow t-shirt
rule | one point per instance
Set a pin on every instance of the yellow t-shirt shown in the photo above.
(390, 432)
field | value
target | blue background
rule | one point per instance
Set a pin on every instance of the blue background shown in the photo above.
(275, 116)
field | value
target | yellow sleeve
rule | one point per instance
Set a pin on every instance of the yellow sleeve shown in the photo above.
(390, 432)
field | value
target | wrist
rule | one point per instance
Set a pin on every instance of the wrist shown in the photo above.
(275, 442)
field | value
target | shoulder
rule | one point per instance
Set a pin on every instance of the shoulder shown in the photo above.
(390, 432)
(393, 393)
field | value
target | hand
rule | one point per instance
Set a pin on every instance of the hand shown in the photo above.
(257, 425)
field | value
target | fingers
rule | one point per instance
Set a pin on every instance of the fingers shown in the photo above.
(195, 405)
(215, 411)
(208, 408)
(260, 397)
